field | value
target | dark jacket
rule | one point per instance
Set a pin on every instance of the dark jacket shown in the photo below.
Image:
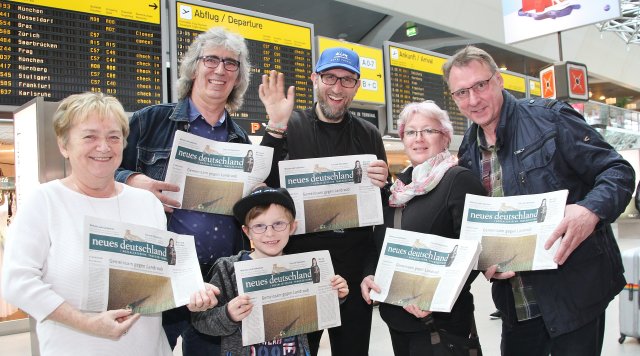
(216, 321)
(308, 137)
(438, 212)
(151, 136)
(545, 145)
(637, 200)
(149, 144)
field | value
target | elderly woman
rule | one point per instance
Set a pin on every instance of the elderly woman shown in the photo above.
(43, 269)
(431, 194)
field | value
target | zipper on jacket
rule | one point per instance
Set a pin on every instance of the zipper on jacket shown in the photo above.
(528, 152)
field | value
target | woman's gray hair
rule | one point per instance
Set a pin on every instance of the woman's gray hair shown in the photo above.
(427, 108)
(212, 38)
(466, 55)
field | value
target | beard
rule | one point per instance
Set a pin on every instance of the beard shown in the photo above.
(329, 113)
(332, 113)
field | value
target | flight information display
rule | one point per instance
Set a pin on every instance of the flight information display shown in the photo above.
(54, 48)
(514, 83)
(274, 44)
(413, 75)
(534, 87)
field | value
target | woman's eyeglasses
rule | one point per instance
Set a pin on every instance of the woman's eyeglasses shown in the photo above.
(428, 131)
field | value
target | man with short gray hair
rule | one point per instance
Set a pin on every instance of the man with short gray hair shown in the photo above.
(531, 146)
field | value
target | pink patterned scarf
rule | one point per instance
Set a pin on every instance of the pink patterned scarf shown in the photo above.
(424, 178)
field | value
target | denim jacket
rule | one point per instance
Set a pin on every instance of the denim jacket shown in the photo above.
(151, 136)
(545, 145)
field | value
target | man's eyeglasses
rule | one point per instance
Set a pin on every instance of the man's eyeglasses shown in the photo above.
(429, 131)
(262, 228)
(214, 61)
(479, 87)
(330, 79)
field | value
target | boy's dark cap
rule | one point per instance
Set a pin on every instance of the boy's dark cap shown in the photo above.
(264, 196)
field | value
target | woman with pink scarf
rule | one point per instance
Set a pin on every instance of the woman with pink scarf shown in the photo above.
(430, 195)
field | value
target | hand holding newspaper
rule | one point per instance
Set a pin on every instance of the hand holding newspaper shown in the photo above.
(291, 295)
(513, 230)
(213, 175)
(332, 193)
(425, 270)
(137, 267)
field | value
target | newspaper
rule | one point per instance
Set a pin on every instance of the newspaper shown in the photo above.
(291, 295)
(513, 230)
(332, 193)
(425, 270)
(213, 175)
(137, 267)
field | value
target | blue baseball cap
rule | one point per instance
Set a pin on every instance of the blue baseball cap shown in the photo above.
(338, 57)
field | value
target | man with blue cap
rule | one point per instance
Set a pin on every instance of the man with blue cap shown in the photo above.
(328, 129)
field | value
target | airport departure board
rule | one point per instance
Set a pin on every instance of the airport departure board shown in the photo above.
(274, 43)
(515, 83)
(412, 75)
(534, 88)
(54, 48)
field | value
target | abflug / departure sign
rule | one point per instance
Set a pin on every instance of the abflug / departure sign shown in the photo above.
(274, 44)
(54, 48)
(415, 75)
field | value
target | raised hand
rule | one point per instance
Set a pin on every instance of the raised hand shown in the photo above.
(279, 105)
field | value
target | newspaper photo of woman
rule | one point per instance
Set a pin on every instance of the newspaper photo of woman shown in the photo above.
(247, 164)
(542, 210)
(315, 271)
(357, 173)
(171, 253)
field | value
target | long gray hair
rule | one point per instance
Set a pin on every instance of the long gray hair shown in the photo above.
(212, 38)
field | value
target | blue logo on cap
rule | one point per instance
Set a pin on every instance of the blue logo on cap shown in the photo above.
(339, 58)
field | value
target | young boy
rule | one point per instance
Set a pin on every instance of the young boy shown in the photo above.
(268, 215)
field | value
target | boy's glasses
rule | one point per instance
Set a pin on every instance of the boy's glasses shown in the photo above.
(262, 228)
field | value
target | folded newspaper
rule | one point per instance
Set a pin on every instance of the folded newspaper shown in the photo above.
(291, 295)
(425, 270)
(137, 267)
(213, 175)
(513, 230)
(332, 193)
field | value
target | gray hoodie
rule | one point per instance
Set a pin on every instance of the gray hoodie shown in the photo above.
(216, 321)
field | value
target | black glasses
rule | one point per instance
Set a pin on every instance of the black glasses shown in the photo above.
(330, 79)
(262, 228)
(479, 87)
(214, 61)
(414, 133)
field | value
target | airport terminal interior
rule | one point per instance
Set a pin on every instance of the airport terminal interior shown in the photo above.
(428, 30)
